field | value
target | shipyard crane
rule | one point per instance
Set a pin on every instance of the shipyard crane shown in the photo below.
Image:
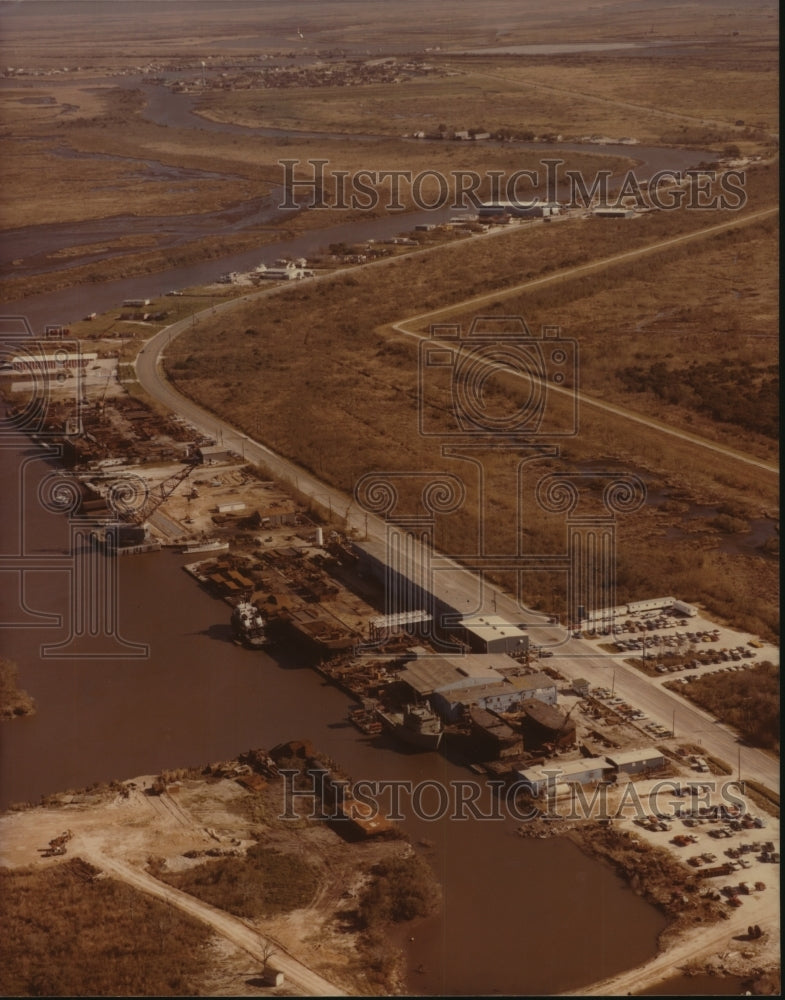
(101, 403)
(127, 509)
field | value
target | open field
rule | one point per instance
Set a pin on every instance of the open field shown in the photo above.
(722, 100)
(365, 414)
(42, 31)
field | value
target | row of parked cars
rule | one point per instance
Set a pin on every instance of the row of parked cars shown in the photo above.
(618, 705)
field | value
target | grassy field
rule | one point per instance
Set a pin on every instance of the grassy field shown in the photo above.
(67, 937)
(319, 374)
(656, 100)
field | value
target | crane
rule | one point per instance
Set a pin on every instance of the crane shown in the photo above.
(126, 507)
(100, 403)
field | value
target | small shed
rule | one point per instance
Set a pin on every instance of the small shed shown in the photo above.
(213, 454)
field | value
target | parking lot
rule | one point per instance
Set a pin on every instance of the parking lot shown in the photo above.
(665, 643)
(732, 847)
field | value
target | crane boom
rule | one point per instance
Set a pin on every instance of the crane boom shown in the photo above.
(156, 496)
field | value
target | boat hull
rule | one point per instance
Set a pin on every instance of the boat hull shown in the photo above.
(412, 737)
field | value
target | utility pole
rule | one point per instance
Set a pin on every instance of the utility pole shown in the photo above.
(673, 724)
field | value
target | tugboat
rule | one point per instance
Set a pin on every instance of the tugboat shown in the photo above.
(249, 625)
(416, 725)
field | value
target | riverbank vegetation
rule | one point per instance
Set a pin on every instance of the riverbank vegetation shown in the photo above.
(261, 883)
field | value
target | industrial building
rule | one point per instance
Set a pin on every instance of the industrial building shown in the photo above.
(452, 700)
(534, 209)
(411, 622)
(610, 212)
(637, 761)
(639, 607)
(425, 675)
(492, 634)
(586, 771)
(38, 364)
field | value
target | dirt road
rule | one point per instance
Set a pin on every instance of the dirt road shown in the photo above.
(232, 928)
(406, 326)
(700, 943)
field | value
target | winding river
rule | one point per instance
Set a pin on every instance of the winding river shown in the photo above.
(521, 916)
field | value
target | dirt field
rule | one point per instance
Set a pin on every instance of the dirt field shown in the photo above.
(123, 834)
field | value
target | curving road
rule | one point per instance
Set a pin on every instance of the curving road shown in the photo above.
(455, 586)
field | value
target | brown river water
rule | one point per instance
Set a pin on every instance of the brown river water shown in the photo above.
(514, 907)
(521, 916)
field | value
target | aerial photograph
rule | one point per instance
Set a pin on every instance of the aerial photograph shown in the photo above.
(389, 561)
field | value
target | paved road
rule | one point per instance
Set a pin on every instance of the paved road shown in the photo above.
(457, 587)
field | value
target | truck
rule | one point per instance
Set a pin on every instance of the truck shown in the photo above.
(716, 870)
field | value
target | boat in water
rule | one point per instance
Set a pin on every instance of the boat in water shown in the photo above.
(366, 721)
(210, 546)
(249, 625)
(416, 725)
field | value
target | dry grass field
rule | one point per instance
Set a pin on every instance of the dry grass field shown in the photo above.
(77, 145)
(653, 99)
(321, 376)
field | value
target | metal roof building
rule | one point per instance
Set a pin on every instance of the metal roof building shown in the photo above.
(586, 771)
(428, 673)
(450, 700)
(492, 634)
(637, 761)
